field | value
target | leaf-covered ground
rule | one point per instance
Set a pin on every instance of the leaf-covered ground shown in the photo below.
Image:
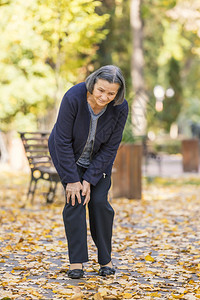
(156, 245)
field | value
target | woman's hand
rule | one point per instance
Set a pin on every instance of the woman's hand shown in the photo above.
(86, 191)
(73, 191)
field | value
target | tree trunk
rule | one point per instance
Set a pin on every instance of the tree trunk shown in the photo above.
(137, 70)
(3, 149)
(46, 123)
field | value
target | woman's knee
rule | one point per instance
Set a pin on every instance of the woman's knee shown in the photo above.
(100, 204)
(100, 200)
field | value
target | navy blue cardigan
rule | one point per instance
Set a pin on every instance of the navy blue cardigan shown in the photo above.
(70, 133)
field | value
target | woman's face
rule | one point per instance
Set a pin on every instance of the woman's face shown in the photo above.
(104, 92)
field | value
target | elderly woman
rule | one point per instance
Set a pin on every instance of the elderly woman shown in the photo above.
(83, 145)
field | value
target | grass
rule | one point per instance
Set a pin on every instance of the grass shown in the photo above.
(166, 181)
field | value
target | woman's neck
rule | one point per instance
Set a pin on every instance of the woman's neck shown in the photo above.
(96, 109)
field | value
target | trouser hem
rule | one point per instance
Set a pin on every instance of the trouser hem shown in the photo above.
(79, 262)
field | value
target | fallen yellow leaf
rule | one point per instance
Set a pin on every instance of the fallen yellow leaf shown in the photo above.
(149, 258)
(127, 296)
(177, 296)
(98, 296)
(164, 221)
(103, 292)
(155, 294)
(78, 296)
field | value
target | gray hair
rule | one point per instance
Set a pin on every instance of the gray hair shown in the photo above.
(111, 74)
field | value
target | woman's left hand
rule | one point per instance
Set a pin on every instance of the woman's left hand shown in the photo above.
(86, 191)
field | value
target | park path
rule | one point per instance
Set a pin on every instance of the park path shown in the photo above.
(156, 243)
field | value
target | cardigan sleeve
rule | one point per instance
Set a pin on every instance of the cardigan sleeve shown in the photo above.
(63, 141)
(108, 150)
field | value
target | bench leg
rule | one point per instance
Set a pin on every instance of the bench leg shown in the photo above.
(32, 188)
(52, 191)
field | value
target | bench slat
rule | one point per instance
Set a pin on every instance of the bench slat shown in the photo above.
(35, 139)
(37, 150)
(36, 145)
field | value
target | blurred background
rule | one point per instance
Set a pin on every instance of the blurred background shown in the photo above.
(48, 46)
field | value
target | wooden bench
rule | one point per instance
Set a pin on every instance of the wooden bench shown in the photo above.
(37, 153)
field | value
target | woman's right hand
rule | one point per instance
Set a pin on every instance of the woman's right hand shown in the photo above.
(73, 192)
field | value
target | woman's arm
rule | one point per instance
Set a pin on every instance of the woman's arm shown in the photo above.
(63, 141)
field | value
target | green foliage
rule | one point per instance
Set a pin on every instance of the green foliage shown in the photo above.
(171, 51)
(169, 61)
(172, 106)
(166, 181)
(190, 114)
(116, 48)
(174, 43)
(169, 146)
(191, 111)
(48, 45)
(128, 131)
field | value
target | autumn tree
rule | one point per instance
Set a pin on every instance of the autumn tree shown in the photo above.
(161, 33)
(116, 47)
(171, 58)
(187, 14)
(137, 70)
(47, 47)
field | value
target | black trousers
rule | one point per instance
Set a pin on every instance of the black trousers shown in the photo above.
(101, 216)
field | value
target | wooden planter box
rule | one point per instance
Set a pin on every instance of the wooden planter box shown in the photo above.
(190, 153)
(127, 172)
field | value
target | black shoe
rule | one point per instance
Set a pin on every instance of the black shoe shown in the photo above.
(75, 274)
(105, 271)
